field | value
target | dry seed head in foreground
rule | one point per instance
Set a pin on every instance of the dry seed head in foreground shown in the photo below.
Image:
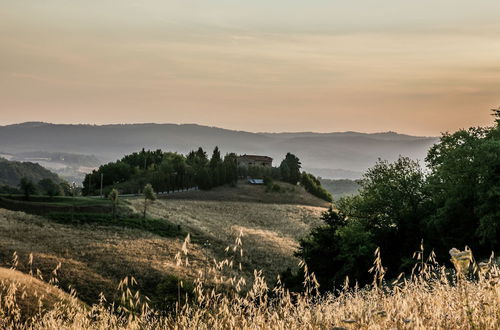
(426, 300)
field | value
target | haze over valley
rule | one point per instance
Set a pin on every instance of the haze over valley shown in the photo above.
(336, 155)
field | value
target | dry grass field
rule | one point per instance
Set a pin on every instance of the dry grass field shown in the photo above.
(270, 231)
(289, 194)
(430, 299)
(32, 295)
(95, 258)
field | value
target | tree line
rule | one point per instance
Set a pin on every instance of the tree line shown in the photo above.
(27, 187)
(454, 202)
(165, 171)
(169, 171)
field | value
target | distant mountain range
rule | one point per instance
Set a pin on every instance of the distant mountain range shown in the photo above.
(331, 155)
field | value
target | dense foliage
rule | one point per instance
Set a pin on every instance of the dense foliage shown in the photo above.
(313, 186)
(290, 169)
(454, 204)
(169, 171)
(165, 171)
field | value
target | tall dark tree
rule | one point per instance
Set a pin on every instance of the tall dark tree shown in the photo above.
(216, 170)
(290, 169)
(231, 168)
(216, 159)
(49, 187)
(27, 187)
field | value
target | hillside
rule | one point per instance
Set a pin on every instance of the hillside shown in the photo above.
(340, 188)
(11, 172)
(29, 293)
(69, 166)
(95, 258)
(330, 155)
(289, 194)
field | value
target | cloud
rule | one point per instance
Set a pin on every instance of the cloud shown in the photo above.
(229, 66)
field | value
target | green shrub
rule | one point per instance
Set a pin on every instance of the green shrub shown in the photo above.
(156, 226)
(313, 186)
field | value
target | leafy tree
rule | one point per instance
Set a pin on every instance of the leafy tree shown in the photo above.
(216, 159)
(216, 169)
(203, 179)
(5, 189)
(49, 187)
(65, 188)
(388, 213)
(113, 196)
(464, 184)
(231, 168)
(313, 186)
(456, 204)
(337, 249)
(392, 205)
(27, 187)
(149, 197)
(290, 169)
(199, 158)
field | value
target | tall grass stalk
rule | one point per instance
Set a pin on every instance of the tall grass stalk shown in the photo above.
(428, 298)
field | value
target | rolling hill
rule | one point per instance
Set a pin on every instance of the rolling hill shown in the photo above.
(94, 258)
(11, 172)
(30, 294)
(331, 155)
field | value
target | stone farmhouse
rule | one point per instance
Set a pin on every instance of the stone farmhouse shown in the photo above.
(254, 160)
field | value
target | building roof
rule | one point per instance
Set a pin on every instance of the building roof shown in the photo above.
(256, 181)
(256, 157)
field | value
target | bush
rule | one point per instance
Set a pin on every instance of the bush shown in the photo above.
(4, 189)
(156, 226)
(313, 186)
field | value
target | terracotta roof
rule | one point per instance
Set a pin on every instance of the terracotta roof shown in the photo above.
(256, 157)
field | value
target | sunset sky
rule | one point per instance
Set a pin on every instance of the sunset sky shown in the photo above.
(417, 67)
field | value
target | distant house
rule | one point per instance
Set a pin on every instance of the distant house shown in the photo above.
(255, 160)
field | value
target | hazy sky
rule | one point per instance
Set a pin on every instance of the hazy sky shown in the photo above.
(418, 67)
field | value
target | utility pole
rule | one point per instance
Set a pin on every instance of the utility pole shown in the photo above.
(73, 188)
(102, 175)
(90, 180)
